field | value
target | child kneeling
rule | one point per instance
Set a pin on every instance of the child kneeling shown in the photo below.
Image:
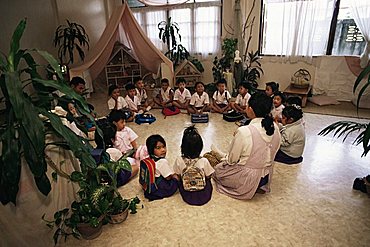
(156, 176)
(195, 185)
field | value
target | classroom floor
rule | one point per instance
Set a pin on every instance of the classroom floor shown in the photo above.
(311, 204)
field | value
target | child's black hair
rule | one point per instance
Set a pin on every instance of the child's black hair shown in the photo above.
(136, 79)
(281, 95)
(192, 143)
(129, 86)
(197, 83)
(109, 132)
(116, 115)
(221, 81)
(244, 84)
(111, 89)
(261, 105)
(179, 80)
(151, 143)
(294, 100)
(165, 80)
(274, 86)
(77, 80)
(293, 111)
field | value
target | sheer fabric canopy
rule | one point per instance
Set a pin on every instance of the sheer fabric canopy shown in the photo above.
(122, 27)
(162, 3)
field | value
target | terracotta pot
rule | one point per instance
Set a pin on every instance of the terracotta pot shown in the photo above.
(89, 232)
(118, 218)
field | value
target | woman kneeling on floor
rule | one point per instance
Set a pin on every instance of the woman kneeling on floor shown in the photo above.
(247, 168)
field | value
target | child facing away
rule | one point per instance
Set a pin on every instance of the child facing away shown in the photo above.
(241, 101)
(165, 95)
(292, 136)
(278, 106)
(199, 101)
(221, 97)
(141, 93)
(195, 184)
(132, 100)
(271, 88)
(166, 180)
(182, 95)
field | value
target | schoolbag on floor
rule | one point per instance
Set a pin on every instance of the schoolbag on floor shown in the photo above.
(232, 116)
(144, 118)
(199, 118)
(147, 175)
(193, 178)
(170, 111)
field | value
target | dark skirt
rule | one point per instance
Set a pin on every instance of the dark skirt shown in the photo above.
(197, 198)
(166, 188)
(286, 159)
(123, 177)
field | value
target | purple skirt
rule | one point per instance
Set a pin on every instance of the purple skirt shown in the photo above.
(166, 188)
(286, 159)
(197, 198)
(123, 177)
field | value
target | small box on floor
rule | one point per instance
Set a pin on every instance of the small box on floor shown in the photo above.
(199, 118)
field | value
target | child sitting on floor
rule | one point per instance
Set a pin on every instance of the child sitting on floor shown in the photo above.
(165, 96)
(292, 136)
(132, 100)
(199, 101)
(195, 185)
(221, 97)
(141, 94)
(116, 101)
(166, 180)
(278, 106)
(182, 95)
(241, 102)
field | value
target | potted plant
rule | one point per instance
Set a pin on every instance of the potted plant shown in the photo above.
(70, 38)
(22, 131)
(345, 128)
(253, 69)
(228, 48)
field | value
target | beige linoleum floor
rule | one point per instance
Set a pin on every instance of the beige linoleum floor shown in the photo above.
(311, 204)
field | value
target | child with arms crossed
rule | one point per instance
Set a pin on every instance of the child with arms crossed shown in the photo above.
(191, 147)
(199, 101)
(165, 179)
(242, 99)
(221, 98)
(292, 136)
(182, 95)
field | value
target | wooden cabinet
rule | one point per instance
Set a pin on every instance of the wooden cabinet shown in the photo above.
(122, 68)
(189, 72)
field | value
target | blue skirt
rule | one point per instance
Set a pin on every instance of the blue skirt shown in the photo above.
(123, 177)
(166, 188)
(286, 159)
(197, 198)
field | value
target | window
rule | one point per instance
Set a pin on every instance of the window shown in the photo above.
(302, 28)
(199, 22)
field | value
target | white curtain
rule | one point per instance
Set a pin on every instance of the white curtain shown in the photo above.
(158, 3)
(361, 14)
(297, 29)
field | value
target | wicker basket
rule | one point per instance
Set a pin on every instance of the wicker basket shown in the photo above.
(301, 79)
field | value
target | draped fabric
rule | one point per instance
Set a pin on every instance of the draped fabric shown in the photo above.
(361, 12)
(122, 27)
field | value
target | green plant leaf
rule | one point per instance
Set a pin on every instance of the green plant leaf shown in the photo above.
(52, 61)
(14, 44)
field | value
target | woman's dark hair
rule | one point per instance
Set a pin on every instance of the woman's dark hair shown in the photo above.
(261, 105)
(293, 111)
(274, 86)
(192, 143)
(151, 143)
(109, 132)
(111, 89)
(281, 95)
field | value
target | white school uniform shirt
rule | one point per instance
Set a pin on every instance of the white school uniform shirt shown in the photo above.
(293, 138)
(166, 94)
(124, 138)
(278, 111)
(141, 95)
(202, 164)
(199, 101)
(133, 104)
(221, 98)
(242, 101)
(182, 97)
(162, 167)
(121, 103)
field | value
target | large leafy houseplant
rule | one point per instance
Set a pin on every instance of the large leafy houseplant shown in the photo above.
(253, 68)
(345, 128)
(70, 38)
(22, 131)
(220, 65)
